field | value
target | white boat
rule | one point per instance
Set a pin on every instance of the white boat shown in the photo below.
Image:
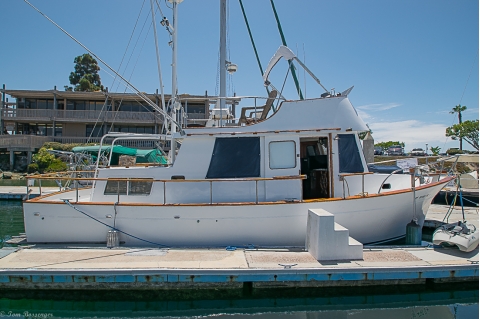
(242, 184)
(462, 234)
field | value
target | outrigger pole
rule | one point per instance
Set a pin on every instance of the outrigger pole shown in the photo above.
(292, 67)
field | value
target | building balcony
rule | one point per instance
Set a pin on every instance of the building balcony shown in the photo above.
(34, 142)
(80, 116)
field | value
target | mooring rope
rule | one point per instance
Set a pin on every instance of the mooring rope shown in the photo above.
(66, 201)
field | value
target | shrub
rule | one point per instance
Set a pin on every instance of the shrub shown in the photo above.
(32, 168)
(454, 151)
(43, 158)
(56, 165)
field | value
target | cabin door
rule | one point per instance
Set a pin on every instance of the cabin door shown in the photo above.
(314, 159)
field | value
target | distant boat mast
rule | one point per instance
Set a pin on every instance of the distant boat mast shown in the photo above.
(174, 100)
(223, 56)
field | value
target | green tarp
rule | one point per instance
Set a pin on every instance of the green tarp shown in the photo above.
(142, 156)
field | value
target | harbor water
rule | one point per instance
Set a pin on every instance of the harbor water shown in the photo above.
(458, 300)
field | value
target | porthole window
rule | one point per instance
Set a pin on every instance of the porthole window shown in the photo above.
(282, 155)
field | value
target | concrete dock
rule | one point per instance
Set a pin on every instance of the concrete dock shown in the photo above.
(20, 192)
(76, 267)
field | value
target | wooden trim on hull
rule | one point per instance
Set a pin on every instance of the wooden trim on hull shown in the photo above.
(41, 200)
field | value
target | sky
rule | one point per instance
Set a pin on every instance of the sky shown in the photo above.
(410, 61)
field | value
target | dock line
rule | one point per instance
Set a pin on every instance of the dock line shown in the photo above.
(67, 201)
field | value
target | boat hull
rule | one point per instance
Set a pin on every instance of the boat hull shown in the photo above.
(370, 219)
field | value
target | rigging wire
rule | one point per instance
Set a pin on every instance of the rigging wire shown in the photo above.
(158, 59)
(115, 77)
(463, 93)
(283, 85)
(468, 79)
(253, 43)
(133, 69)
(140, 94)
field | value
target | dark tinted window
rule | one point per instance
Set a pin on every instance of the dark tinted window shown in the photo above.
(348, 154)
(235, 157)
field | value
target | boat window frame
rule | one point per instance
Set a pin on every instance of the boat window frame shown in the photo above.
(294, 154)
(126, 189)
(349, 156)
(235, 157)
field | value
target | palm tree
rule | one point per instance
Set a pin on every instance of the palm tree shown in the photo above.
(459, 109)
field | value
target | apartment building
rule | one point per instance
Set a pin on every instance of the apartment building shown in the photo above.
(36, 117)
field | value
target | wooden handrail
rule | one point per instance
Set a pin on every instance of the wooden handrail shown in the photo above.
(251, 179)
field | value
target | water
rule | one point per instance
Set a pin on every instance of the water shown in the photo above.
(11, 220)
(438, 301)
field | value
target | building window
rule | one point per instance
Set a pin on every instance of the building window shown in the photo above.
(58, 130)
(282, 154)
(94, 105)
(75, 105)
(135, 129)
(30, 103)
(41, 104)
(133, 107)
(196, 109)
(96, 129)
(79, 105)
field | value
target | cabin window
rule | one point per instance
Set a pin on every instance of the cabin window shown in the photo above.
(282, 154)
(134, 187)
(235, 157)
(116, 188)
(348, 154)
(140, 187)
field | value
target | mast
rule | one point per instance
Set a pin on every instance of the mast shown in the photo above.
(174, 64)
(223, 56)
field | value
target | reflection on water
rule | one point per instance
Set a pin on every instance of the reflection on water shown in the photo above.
(438, 301)
(11, 220)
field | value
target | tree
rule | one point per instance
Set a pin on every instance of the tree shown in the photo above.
(362, 135)
(467, 131)
(85, 77)
(435, 150)
(459, 109)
